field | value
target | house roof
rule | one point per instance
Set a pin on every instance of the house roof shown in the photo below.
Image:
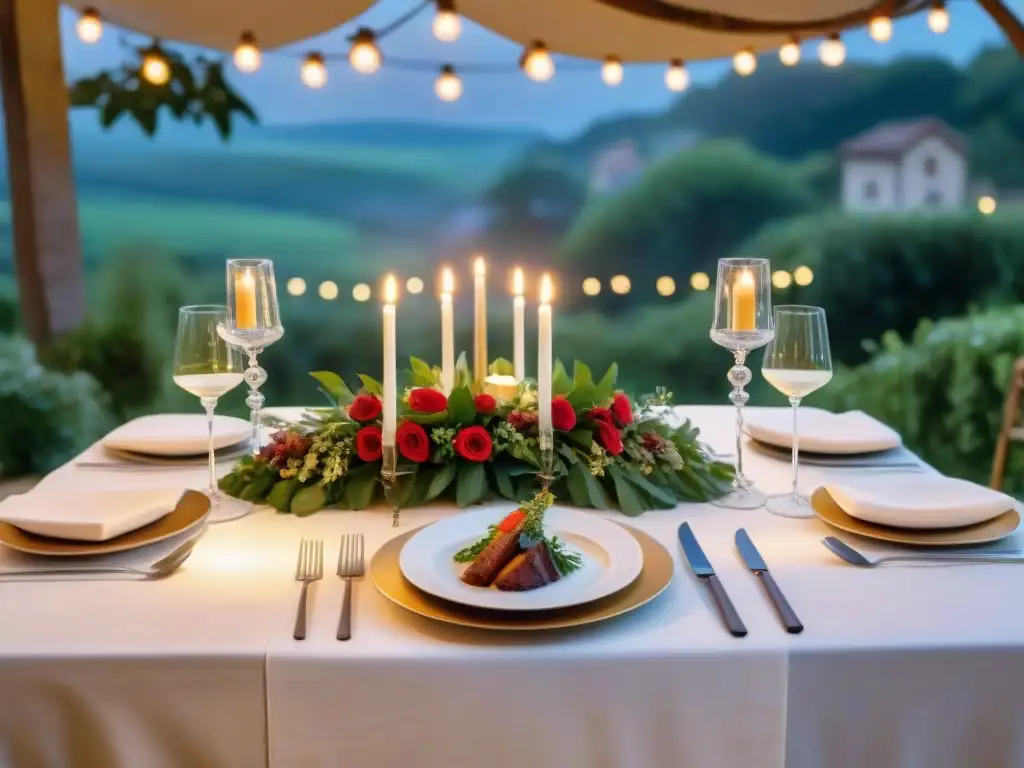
(890, 141)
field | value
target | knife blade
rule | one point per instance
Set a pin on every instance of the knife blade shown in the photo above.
(702, 569)
(759, 568)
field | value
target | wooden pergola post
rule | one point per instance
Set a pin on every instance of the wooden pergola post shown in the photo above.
(47, 245)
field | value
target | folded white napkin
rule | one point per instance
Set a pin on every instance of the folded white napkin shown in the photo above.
(821, 431)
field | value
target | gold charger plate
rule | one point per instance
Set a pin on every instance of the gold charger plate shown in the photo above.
(652, 581)
(980, 533)
(192, 508)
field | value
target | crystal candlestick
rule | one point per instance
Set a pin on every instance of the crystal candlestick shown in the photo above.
(255, 376)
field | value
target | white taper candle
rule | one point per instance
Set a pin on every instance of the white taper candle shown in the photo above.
(518, 326)
(479, 320)
(447, 332)
(544, 356)
(389, 387)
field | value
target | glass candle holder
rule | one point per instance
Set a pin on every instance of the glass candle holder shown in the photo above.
(253, 323)
(743, 322)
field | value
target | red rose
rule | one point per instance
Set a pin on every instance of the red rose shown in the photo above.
(608, 437)
(425, 400)
(413, 442)
(622, 410)
(600, 414)
(364, 408)
(654, 443)
(473, 443)
(522, 420)
(485, 404)
(563, 415)
(368, 444)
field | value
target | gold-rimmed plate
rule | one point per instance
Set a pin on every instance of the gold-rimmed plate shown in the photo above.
(192, 509)
(981, 533)
(652, 581)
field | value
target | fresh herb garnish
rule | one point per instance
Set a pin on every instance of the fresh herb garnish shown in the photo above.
(469, 554)
(565, 560)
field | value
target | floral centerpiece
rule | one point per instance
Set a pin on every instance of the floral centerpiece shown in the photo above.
(608, 453)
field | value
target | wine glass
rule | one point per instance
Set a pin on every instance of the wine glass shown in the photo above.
(253, 322)
(797, 362)
(743, 322)
(206, 366)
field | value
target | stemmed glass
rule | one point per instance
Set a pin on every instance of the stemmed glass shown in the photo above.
(797, 362)
(208, 367)
(253, 323)
(742, 323)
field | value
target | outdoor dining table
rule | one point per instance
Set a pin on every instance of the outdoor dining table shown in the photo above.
(897, 666)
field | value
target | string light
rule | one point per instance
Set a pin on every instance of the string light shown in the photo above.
(447, 24)
(296, 286)
(537, 62)
(832, 51)
(361, 292)
(591, 286)
(938, 17)
(781, 279)
(880, 28)
(448, 85)
(314, 71)
(365, 56)
(665, 286)
(89, 26)
(789, 54)
(987, 205)
(611, 71)
(247, 55)
(803, 275)
(155, 68)
(744, 62)
(328, 290)
(620, 284)
(414, 285)
(700, 281)
(676, 76)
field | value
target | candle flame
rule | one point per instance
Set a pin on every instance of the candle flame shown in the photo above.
(479, 266)
(518, 282)
(447, 281)
(390, 290)
(546, 289)
(746, 278)
(248, 280)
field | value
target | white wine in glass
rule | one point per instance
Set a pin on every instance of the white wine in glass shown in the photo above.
(206, 366)
(797, 362)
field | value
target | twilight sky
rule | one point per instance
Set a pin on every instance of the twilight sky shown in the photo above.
(562, 106)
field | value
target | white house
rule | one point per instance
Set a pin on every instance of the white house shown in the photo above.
(918, 164)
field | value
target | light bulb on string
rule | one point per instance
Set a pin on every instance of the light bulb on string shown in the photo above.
(365, 55)
(676, 76)
(611, 71)
(155, 69)
(537, 62)
(448, 85)
(832, 50)
(314, 71)
(247, 54)
(89, 26)
(880, 28)
(744, 62)
(789, 54)
(447, 24)
(938, 17)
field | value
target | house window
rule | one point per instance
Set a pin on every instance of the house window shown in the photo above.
(931, 166)
(933, 199)
(871, 190)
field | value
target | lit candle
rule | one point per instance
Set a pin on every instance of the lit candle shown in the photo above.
(447, 332)
(518, 325)
(743, 303)
(479, 320)
(389, 391)
(544, 356)
(245, 300)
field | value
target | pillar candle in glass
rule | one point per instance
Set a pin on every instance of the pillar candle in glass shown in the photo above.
(245, 299)
(479, 320)
(518, 325)
(389, 391)
(447, 331)
(544, 357)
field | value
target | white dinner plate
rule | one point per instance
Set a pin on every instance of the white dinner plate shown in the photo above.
(87, 515)
(612, 559)
(821, 431)
(919, 501)
(176, 434)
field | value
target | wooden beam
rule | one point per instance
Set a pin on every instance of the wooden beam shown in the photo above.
(47, 247)
(1007, 20)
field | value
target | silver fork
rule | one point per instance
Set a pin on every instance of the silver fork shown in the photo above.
(844, 551)
(350, 565)
(310, 568)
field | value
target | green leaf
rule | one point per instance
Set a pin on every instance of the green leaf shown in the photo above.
(502, 367)
(582, 397)
(561, 384)
(334, 386)
(584, 438)
(280, 496)
(629, 500)
(581, 375)
(440, 481)
(371, 385)
(471, 484)
(113, 109)
(523, 452)
(661, 497)
(606, 386)
(308, 500)
(461, 408)
(422, 373)
(360, 487)
(503, 480)
(426, 419)
(257, 488)
(576, 482)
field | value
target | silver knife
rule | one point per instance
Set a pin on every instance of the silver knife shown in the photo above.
(759, 568)
(702, 569)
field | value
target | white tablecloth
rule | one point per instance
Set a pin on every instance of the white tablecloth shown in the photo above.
(897, 666)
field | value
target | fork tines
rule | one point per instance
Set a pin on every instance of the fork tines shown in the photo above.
(310, 565)
(350, 555)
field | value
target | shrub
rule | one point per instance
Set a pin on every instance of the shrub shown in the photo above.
(48, 417)
(943, 392)
(882, 273)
